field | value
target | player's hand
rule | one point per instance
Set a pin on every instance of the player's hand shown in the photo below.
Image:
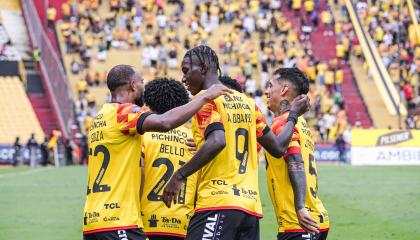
(215, 91)
(192, 147)
(300, 104)
(171, 191)
(307, 222)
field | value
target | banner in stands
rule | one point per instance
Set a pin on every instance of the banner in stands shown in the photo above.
(385, 155)
(329, 153)
(385, 147)
(381, 138)
(7, 154)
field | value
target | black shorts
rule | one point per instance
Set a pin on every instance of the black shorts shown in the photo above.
(132, 234)
(162, 237)
(302, 236)
(223, 225)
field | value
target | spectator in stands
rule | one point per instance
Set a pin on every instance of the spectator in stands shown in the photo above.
(17, 156)
(32, 146)
(51, 16)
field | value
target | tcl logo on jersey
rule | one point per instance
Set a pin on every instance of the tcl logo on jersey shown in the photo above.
(209, 231)
(111, 205)
(219, 182)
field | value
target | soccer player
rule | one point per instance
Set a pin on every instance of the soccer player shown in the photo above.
(165, 153)
(112, 207)
(292, 179)
(230, 83)
(226, 131)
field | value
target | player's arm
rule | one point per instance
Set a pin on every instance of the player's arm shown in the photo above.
(142, 175)
(214, 144)
(179, 115)
(296, 170)
(277, 145)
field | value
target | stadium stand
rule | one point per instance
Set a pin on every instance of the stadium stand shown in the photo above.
(20, 119)
(253, 40)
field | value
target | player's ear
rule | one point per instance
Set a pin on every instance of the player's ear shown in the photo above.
(204, 69)
(284, 89)
(133, 85)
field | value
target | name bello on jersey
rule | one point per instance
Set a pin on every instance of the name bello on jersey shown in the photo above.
(174, 135)
(98, 123)
(237, 103)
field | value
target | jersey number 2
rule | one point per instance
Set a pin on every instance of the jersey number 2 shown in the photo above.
(153, 195)
(97, 186)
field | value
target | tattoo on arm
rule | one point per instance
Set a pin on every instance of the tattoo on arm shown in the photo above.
(297, 177)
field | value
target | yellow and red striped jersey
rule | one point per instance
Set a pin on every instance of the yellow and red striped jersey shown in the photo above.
(112, 200)
(279, 186)
(230, 180)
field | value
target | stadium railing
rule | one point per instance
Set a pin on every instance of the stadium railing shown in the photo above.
(380, 74)
(51, 69)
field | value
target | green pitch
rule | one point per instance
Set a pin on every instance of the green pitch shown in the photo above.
(363, 202)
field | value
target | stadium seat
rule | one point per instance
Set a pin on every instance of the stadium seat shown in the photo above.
(19, 118)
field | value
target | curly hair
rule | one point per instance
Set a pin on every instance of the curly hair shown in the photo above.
(230, 83)
(295, 76)
(164, 94)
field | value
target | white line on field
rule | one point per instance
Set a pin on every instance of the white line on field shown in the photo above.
(32, 171)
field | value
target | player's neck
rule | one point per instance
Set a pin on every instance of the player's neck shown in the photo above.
(120, 97)
(284, 107)
(210, 81)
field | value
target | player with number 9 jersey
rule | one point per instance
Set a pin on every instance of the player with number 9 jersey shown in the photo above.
(230, 180)
(280, 187)
(114, 148)
(164, 153)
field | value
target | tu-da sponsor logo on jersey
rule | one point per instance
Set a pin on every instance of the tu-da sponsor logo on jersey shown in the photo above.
(90, 217)
(246, 193)
(165, 222)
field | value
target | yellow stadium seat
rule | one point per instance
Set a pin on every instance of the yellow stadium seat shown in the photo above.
(17, 116)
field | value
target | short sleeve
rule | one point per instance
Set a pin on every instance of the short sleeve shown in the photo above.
(130, 117)
(262, 127)
(209, 119)
(294, 145)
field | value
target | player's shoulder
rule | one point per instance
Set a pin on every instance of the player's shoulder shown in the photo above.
(126, 108)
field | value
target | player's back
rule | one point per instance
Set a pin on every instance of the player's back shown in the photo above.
(113, 169)
(279, 185)
(230, 180)
(165, 153)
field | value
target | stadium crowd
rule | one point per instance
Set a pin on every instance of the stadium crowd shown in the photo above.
(393, 32)
(261, 38)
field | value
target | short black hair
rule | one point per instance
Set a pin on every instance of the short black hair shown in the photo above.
(164, 94)
(230, 83)
(206, 55)
(294, 76)
(119, 76)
